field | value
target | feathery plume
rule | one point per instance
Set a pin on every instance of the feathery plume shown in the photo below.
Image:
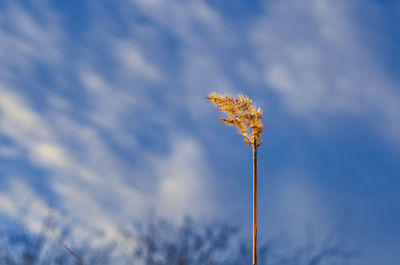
(242, 114)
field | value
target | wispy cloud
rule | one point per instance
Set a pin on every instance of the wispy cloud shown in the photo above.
(319, 65)
(27, 37)
(183, 180)
(21, 201)
(114, 116)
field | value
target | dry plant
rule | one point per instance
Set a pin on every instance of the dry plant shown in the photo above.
(247, 118)
(241, 114)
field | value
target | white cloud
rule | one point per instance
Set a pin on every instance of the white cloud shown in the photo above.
(28, 37)
(21, 201)
(134, 61)
(88, 176)
(9, 152)
(51, 154)
(108, 105)
(17, 118)
(318, 63)
(184, 180)
(173, 12)
(31, 132)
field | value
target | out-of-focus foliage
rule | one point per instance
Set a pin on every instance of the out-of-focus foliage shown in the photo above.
(156, 241)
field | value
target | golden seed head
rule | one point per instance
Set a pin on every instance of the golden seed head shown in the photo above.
(241, 114)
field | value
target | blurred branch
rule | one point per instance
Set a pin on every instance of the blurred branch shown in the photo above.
(63, 245)
(208, 259)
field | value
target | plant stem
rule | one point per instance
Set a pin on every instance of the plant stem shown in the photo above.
(254, 204)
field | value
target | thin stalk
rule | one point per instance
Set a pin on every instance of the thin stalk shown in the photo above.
(243, 115)
(254, 204)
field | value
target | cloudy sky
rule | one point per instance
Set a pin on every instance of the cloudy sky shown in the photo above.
(103, 116)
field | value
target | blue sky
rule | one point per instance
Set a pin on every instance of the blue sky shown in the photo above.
(102, 114)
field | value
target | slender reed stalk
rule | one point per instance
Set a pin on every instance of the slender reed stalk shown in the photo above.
(254, 205)
(243, 115)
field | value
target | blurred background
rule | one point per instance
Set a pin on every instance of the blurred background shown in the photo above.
(103, 120)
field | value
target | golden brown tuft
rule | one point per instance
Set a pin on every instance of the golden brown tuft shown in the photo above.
(241, 114)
